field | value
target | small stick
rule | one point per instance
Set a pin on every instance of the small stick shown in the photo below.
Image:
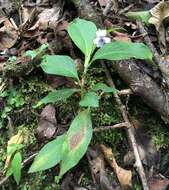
(125, 92)
(108, 7)
(119, 125)
(129, 130)
(13, 23)
(148, 42)
(27, 160)
(126, 9)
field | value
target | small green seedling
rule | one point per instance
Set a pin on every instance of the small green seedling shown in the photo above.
(95, 44)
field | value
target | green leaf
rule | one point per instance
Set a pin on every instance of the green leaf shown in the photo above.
(31, 53)
(78, 138)
(144, 16)
(120, 50)
(34, 53)
(56, 96)
(83, 32)
(59, 65)
(16, 165)
(103, 87)
(49, 155)
(12, 59)
(90, 99)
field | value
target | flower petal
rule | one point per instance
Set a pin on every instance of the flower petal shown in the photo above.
(96, 40)
(107, 40)
(101, 42)
(101, 33)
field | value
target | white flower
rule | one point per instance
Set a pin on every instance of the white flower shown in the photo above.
(101, 33)
(101, 38)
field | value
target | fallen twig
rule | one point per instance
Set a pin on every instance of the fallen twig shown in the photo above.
(126, 9)
(148, 42)
(119, 125)
(130, 132)
(108, 7)
(125, 92)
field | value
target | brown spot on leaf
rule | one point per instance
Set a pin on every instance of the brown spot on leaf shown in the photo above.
(76, 139)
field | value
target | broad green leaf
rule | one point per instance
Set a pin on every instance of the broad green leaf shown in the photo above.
(16, 165)
(59, 65)
(120, 50)
(103, 87)
(90, 99)
(83, 32)
(49, 155)
(56, 96)
(78, 138)
(144, 16)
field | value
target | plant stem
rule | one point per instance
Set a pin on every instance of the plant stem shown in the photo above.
(86, 65)
(83, 82)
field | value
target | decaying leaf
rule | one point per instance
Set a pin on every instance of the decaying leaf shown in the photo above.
(124, 176)
(122, 37)
(158, 184)
(11, 148)
(98, 169)
(49, 17)
(103, 3)
(164, 67)
(8, 34)
(56, 81)
(159, 13)
(47, 124)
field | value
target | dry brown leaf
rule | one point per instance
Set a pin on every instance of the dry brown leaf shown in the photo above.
(124, 176)
(16, 139)
(103, 3)
(159, 13)
(158, 184)
(8, 35)
(47, 124)
(98, 170)
(49, 17)
(122, 37)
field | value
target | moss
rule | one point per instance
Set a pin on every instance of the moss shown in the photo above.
(160, 137)
(33, 90)
(28, 133)
(151, 123)
(111, 137)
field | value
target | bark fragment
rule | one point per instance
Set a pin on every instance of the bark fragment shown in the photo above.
(143, 85)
